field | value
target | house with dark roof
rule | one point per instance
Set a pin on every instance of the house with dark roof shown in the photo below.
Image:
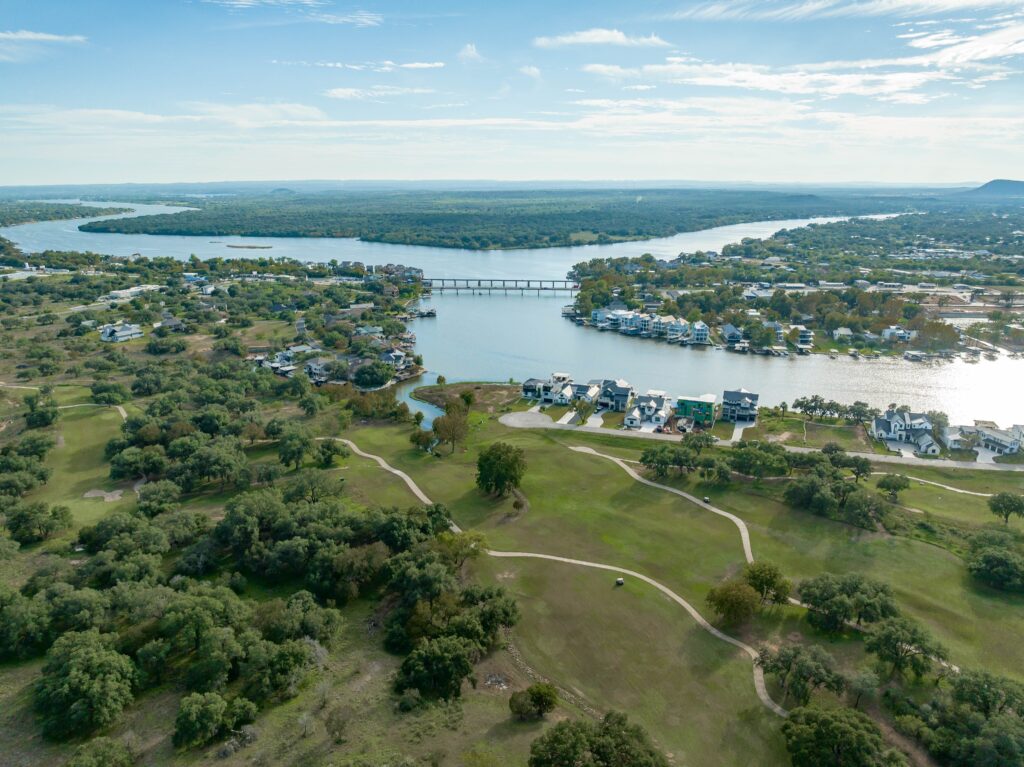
(906, 426)
(732, 334)
(615, 394)
(739, 405)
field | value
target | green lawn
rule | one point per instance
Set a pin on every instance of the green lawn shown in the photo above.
(611, 419)
(583, 506)
(78, 465)
(634, 650)
(793, 429)
(555, 411)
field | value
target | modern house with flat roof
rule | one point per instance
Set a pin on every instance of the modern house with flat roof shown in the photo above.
(700, 409)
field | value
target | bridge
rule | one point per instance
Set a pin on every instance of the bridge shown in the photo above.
(485, 285)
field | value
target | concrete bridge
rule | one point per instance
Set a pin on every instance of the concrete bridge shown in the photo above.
(486, 285)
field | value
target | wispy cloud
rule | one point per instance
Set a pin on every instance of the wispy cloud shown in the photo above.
(788, 10)
(23, 44)
(599, 36)
(374, 92)
(469, 53)
(363, 66)
(362, 19)
(530, 71)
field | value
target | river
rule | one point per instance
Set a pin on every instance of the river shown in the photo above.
(497, 337)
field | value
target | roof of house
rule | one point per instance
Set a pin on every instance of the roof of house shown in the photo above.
(739, 397)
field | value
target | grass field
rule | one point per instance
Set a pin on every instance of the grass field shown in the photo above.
(794, 429)
(585, 507)
(78, 465)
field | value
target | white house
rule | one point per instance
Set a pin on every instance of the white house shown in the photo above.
(904, 426)
(842, 334)
(899, 334)
(120, 333)
(654, 407)
(700, 333)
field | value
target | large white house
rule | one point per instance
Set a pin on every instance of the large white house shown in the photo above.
(654, 407)
(905, 426)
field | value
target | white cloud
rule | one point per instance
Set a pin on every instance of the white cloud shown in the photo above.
(530, 71)
(362, 19)
(365, 66)
(468, 52)
(639, 87)
(772, 10)
(23, 44)
(374, 92)
(599, 36)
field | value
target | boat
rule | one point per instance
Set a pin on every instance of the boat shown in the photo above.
(991, 356)
(833, 354)
(853, 353)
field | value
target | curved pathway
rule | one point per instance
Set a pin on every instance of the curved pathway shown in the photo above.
(120, 410)
(937, 484)
(759, 683)
(740, 524)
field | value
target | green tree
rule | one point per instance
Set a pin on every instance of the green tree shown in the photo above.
(327, 451)
(84, 686)
(451, 428)
(801, 670)
(893, 484)
(436, 668)
(533, 702)
(864, 682)
(34, 522)
(199, 720)
(612, 742)
(768, 581)
(293, 446)
(500, 468)
(839, 737)
(1006, 505)
(904, 644)
(159, 497)
(42, 410)
(374, 375)
(735, 600)
(101, 752)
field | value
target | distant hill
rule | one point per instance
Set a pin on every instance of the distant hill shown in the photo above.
(1000, 187)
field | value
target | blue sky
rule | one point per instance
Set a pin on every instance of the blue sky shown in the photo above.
(730, 90)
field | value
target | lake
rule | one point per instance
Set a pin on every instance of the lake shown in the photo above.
(497, 337)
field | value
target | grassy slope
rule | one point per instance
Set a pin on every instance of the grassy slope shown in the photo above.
(587, 508)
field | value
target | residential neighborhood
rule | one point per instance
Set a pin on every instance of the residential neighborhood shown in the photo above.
(653, 411)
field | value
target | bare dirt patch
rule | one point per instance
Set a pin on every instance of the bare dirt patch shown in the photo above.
(108, 497)
(488, 398)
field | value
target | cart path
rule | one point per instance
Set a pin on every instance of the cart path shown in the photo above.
(759, 683)
(740, 524)
(937, 484)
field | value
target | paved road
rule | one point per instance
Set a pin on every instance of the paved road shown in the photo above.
(759, 683)
(531, 420)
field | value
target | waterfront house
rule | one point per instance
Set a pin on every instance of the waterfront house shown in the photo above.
(895, 333)
(615, 394)
(731, 334)
(999, 441)
(120, 333)
(533, 388)
(588, 392)
(700, 333)
(398, 359)
(739, 405)
(677, 329)
(804, 337)
(842, 335)
(557, 389)
(906, 426)
(654, 408)
(780, 331)
(698, 409)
